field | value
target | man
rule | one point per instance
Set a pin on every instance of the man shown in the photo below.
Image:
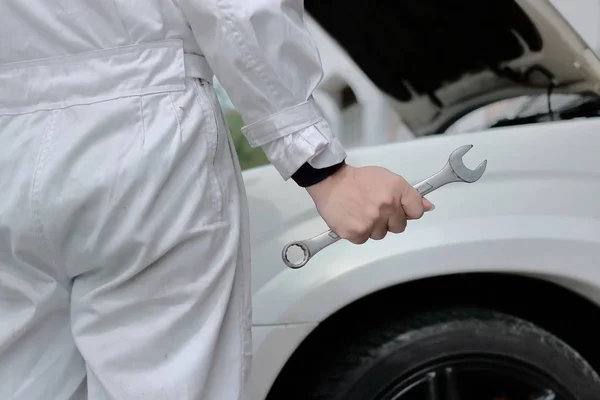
(124, 256)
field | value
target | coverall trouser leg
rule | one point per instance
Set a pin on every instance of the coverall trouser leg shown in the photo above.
(124, 251)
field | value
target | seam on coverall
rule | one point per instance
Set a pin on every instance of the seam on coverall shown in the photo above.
(214, 130)
(38, 171)
(245, 53)
(141, 104)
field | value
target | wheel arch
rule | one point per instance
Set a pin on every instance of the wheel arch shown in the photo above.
(547, 304)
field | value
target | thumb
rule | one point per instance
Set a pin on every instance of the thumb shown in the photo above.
(429, 206)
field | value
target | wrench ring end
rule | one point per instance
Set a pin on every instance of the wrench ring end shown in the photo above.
(305, 257)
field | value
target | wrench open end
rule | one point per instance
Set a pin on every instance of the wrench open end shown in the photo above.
(464, 173)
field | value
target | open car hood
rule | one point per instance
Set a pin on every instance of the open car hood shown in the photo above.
(438, 59)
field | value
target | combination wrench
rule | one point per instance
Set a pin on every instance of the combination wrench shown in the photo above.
(454, 171)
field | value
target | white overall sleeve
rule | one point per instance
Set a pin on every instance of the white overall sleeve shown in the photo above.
(267, 61)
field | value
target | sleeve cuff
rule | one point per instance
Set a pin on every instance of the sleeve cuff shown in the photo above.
(281, 124)
(296, 136)
(314, 145)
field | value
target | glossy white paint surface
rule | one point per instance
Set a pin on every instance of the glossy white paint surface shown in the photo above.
(535, 211)
(273, 346)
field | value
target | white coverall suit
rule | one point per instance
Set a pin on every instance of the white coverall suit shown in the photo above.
(124, 251)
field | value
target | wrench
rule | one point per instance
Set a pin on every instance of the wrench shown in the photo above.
(454, 171)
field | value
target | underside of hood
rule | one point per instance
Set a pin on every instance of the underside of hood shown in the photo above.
(439, 59)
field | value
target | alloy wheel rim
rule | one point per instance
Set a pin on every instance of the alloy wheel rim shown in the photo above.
(476, 377)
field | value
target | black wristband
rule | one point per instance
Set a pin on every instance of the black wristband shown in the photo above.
(307, 175)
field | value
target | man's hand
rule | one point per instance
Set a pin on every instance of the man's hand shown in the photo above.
(367, 202)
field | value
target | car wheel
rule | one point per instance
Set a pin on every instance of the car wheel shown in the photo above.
(458, 354)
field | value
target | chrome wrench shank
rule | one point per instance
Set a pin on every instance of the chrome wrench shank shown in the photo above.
(454, 171)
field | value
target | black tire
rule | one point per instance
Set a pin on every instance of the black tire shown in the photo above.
(366, 365)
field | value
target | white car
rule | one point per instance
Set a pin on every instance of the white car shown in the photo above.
(496, 293)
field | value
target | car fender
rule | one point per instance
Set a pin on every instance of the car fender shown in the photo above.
(534, 211)
(563, 249)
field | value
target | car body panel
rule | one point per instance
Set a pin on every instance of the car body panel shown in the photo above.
(273, 345)
(516, 211)
(534, 212)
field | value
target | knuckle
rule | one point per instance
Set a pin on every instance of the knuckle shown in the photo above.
(379, 235)
(372, 213)
(359, 239)
(402, 226)
(399, 180)
(358, 231)
(398, 225)
(387, 199)
(396, 229)
(417, 212)
(364, 227)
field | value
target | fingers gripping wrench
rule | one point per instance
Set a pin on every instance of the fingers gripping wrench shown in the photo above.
(454, 171)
